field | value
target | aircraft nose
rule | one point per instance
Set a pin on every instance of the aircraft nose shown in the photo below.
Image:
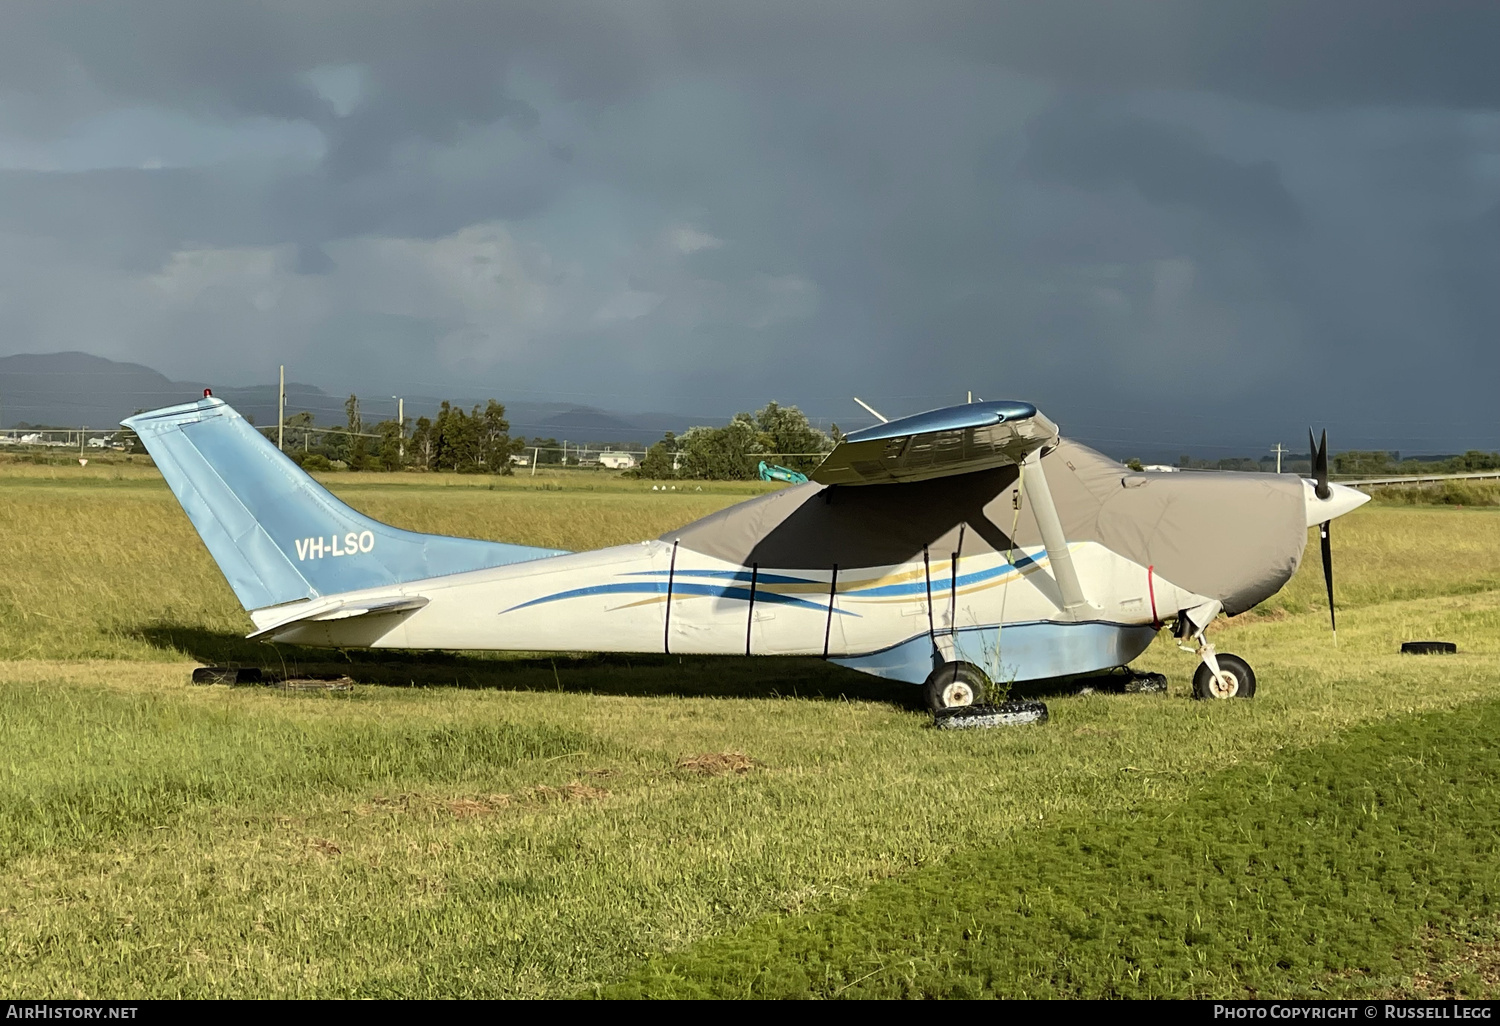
(1342, 499)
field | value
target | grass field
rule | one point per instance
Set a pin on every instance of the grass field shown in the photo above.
(484, 826)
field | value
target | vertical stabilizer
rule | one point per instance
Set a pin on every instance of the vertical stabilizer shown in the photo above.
(279, 536)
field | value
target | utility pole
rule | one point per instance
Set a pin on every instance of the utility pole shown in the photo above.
(1278, 450)
(400, 428)
(281, 411)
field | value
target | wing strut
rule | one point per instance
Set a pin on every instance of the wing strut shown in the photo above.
(1050, 524)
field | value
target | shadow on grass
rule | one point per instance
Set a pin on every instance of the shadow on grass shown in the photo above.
(615, 674)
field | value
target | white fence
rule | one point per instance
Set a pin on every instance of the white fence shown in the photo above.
(1405, 479)
(81, 439)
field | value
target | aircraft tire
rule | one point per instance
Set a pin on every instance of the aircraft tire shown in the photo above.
(955, 686)
(1242, 679)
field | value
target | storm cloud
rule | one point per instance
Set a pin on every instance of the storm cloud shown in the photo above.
(1170, 224)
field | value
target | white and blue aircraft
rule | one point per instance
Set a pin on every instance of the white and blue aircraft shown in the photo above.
(955, 549)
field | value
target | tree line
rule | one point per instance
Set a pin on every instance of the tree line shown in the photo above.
(1353, 462)
(1379, 463)
(469, 442)
(775, 433)
(478, 440)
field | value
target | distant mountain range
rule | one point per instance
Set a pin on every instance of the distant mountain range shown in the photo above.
(80, 390)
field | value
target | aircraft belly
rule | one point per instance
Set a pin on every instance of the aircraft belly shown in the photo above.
(1014, 652)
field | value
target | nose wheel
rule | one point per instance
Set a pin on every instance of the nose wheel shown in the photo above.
(1219, 674)
(1235, 679)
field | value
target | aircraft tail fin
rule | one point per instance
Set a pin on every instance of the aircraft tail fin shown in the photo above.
(279, 536)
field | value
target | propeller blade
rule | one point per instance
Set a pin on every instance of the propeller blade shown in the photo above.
(1328, 577)
(1319, 452)
(1319, 464)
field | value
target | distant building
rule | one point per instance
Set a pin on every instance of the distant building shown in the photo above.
(517, 460)
(618, 460)
(1161, 468)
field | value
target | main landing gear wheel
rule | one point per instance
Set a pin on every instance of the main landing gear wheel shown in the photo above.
(956, 686)
(1238, 679)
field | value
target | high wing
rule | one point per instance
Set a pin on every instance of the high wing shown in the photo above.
(939, 443)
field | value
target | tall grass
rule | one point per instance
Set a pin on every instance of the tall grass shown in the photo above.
(52, 797)
(1440, 493)
(1383, 553)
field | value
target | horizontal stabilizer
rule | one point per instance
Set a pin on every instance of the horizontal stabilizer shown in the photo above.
(940, 443)
(319, 610)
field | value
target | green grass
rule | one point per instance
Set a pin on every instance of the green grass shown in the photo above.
(88, 793)
(1308, 875)
(465, 826)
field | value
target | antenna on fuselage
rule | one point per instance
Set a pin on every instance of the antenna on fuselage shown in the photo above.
(872, 410)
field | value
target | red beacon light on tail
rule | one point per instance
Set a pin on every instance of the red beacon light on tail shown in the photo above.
(208, 393)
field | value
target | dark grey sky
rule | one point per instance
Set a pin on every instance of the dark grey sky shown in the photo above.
(1166, 222)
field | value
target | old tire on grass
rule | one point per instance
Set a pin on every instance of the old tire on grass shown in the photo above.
(955, 686)
(228, 675)
(1239, 678)
(1006, 714)
(1428, 648)
(1143, 683)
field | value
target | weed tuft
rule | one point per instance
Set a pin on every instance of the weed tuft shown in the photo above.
(717, 764)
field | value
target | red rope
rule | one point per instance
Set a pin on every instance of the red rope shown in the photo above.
(1151, 587)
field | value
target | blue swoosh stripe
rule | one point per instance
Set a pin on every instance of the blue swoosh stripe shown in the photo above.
(939, 584)
(734, 575)
(681, 588)
(909, 588)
